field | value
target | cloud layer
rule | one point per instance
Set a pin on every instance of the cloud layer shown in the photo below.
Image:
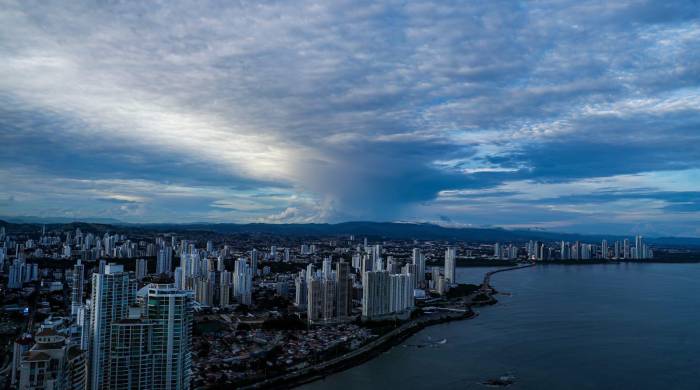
(578, 116)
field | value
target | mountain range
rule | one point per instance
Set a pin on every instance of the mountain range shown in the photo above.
(386, 230)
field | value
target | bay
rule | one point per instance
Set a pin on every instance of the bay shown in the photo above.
(615, 326)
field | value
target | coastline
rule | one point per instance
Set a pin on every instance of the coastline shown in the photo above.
(382, 343)
(360, 355)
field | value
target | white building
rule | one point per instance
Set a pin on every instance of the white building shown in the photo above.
(170, 312)
(375, 294)
(16, 277)
(164, 261)
(112, 293)
(243, 282)
(400, 292)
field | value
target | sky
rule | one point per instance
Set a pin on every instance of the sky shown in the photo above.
(576, 116)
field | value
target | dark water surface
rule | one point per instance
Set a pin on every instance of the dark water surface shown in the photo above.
(620, 326)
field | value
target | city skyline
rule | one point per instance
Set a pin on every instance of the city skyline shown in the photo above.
(146, 309)
(567, 116)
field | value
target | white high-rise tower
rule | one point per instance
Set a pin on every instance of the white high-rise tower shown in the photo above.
(112, 293)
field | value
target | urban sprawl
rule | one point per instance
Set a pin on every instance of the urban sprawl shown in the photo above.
(88, 310)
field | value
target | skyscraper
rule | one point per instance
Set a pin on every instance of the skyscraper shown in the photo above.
(170, 312)
(112, 293)
(131, 357)
(141, 269)
(225, 288)
(243, 282)
(164, 261)
(254, 261)
(151, 347)
(314, 300)
(450, 259)
(375, 294)
(328, 297)
(301, 292)
(419, 262)
(16, 277)
(77, 288)
(400, 292)
(639, 247)
(344, 286)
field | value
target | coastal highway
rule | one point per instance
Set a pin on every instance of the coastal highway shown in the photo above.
(318, 371)
(486, 284)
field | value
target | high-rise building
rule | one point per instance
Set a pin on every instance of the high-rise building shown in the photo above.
(301, 292)
(328, 293)
(164, 261)
(225, 288)
(327, 267)
(314, 300)
(16, 277)
(565, 251)
(113, 292)
(77, 288)
(254, 261)
(356, 261)
(604, 249)
(151, 347)
(243, 282)
(344, 286)
(204, 290)
(450, 264)
(626, 249)
(131, 358)
(375, 294)
(366, 265)
(179, 278)
(3, 255)
(639, 247)
(170, 312)
(141, 269)
(400, 292)
(419, 262)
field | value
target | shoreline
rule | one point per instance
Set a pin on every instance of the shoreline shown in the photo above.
(382, 344)
(361, 355)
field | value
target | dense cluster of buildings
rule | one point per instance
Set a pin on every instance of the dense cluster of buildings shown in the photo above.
(131, 303)
(540, 251)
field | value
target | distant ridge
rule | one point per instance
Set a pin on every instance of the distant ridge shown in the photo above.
(59, 220)
(386, 230)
